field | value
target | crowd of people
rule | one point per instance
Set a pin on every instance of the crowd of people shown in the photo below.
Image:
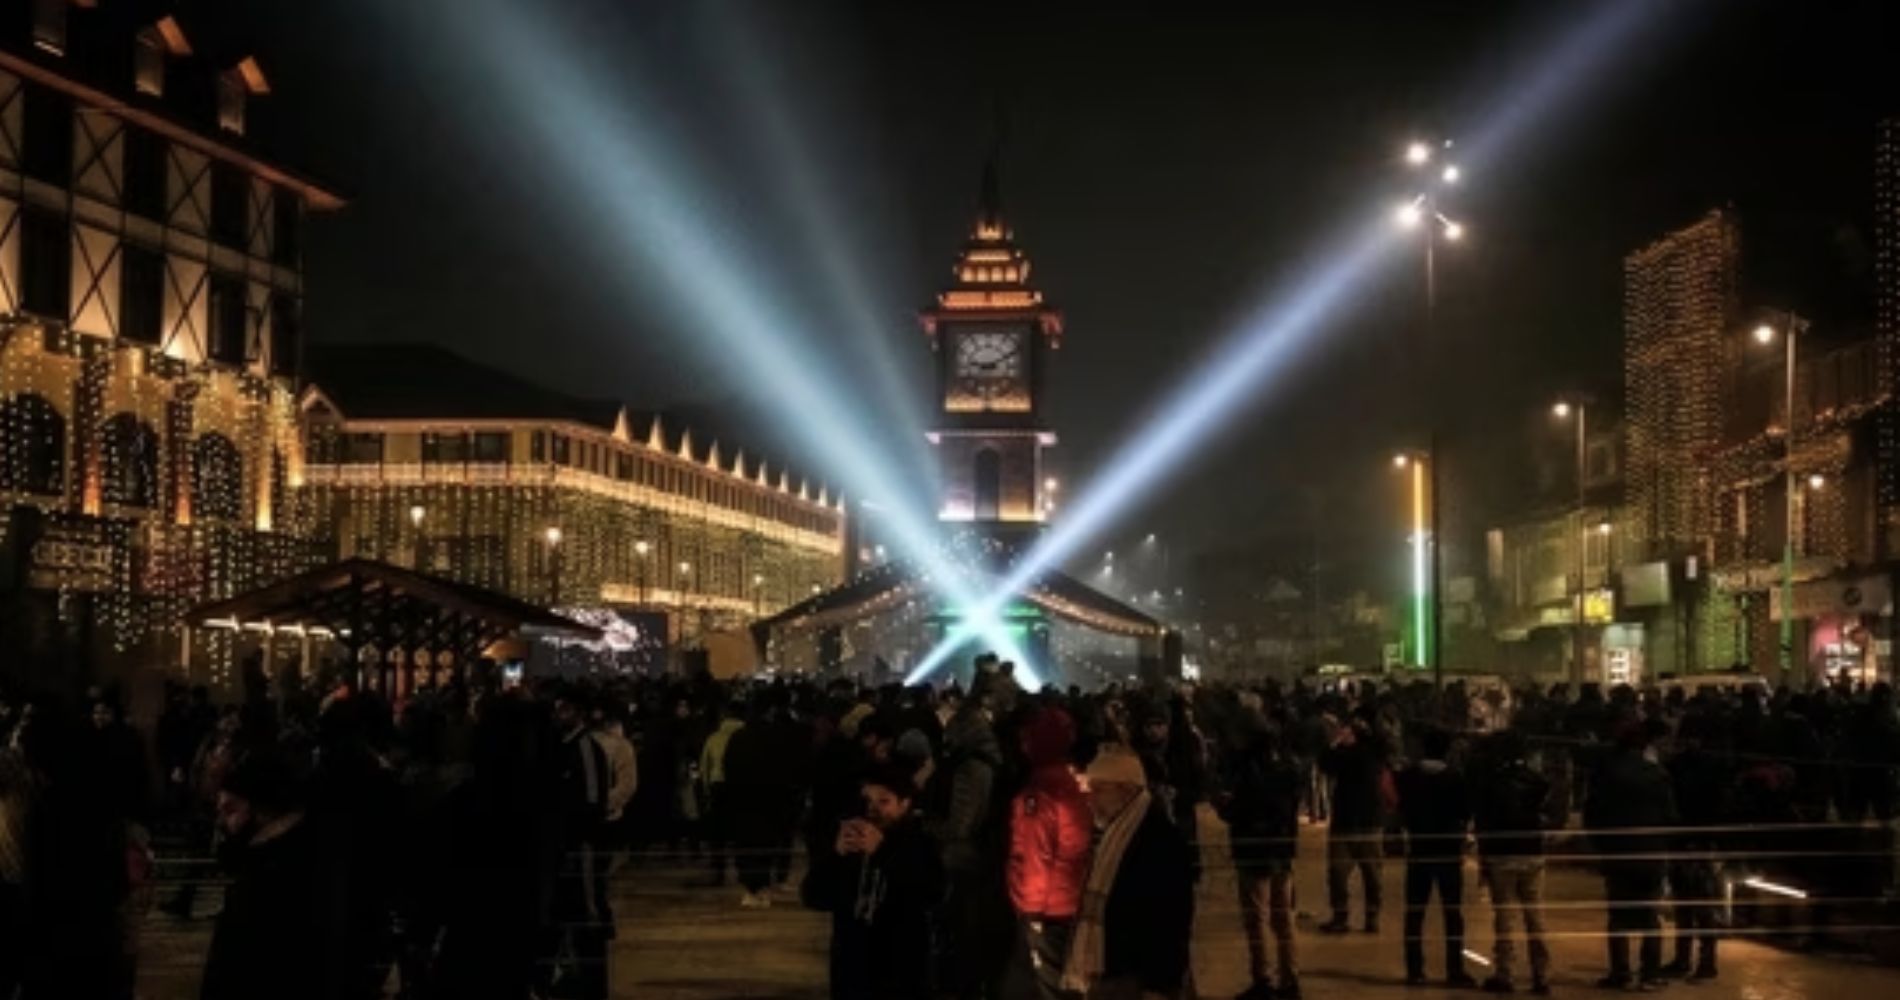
(974, 840)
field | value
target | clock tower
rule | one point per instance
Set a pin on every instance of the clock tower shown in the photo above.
(992, 335)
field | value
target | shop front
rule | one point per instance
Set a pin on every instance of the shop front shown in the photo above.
(1847, 620)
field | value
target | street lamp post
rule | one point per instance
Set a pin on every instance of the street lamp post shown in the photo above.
(758, 594)
(1765, 334)
(640, 550)
(1563, 410)
(1422, 212)
(416, 513)
(554, 565)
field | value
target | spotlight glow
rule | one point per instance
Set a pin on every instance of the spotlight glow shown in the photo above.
(1273, 336)
(643, 199)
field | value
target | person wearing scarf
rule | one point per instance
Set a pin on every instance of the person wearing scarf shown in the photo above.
(1131, 935)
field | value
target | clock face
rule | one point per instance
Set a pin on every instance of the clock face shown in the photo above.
(990, 367)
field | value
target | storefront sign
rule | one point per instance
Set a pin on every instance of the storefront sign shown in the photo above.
(1767, 576)
(1870, 595)
(1646, 585)
(75, 554)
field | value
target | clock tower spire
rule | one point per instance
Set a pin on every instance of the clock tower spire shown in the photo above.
(992, 335)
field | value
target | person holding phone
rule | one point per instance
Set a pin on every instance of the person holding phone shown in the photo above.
(880, 880)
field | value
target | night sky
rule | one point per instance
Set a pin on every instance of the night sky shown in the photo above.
(1161, 168)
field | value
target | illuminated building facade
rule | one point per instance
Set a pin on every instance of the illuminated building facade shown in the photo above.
(992, 335)
(421, 458)
(150, 294)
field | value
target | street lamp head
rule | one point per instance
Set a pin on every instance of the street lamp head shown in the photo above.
(640, 548)
(1051, 484)
(1562, 410)
(685, 568)
(1764, 334)
(1401, 460)
(1603, 528)
(1454, 231)
(1150, 540)
(1816, 481)
(1450, 174)
(758, 579)
(1418, 154)
(1409, 215)
(554, 534)
(416, 514)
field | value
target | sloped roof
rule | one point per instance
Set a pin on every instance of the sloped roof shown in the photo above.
(874, 591)
(377, 603)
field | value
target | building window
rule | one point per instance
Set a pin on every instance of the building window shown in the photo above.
(287, 228)
(46, 253)
(228, 319)
(35, 462)
(217, 479)
(148, 63)
(447, 449)
(561, 452)
(363, 448)
(989, 485)
(130, 467)
(141, 293)
(47, 152)
(144, 173)
(228, 203)
(490, 447)
(231, 97)
(538, 447)
(286, 334)
(623, 468)
(49, 25)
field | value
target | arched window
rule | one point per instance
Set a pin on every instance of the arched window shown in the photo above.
(217, 479)
(32, 446)
(130, 466)
(988, 485)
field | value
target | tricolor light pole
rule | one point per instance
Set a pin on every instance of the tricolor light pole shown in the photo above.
(1420, 541)
(1765, 334)
(1422, 212)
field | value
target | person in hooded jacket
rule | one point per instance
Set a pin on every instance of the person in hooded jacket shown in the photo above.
(1631, 805)
(965, 823)
(880, 879)
(1049, 848)
(1261, 806)
(1513, 806)
(1435, 809)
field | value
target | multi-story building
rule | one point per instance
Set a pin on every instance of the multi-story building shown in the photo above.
(419, 457)
(150, 294)
(1570, 559)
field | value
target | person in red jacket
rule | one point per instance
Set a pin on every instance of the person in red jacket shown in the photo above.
(1050, 830)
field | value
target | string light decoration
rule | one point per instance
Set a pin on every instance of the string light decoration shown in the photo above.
(1680, 315)
(1887, 313)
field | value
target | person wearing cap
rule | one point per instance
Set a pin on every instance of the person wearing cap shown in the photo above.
(880, 879)
(282, 932)
(1131, 934)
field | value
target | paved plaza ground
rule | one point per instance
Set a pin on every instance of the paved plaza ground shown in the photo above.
(682, 943)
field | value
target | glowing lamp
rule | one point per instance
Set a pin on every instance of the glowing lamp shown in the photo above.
(1764, 334)
(554, 535)
(1816, 481)
(1409, 215)
(1418, 154)
(1451, 175)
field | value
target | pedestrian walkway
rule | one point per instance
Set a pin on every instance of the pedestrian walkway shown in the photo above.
(678, 942)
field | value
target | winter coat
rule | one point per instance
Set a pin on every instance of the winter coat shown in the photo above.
(282, 931)
(1630, 793)
(1262, 811)
(712, 756)
(622, 769)
(1512, 810)
(1050, 842)
(1150, 913)
(964, 815)
(1357, 770)
(1435, 808)
(880, 907)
